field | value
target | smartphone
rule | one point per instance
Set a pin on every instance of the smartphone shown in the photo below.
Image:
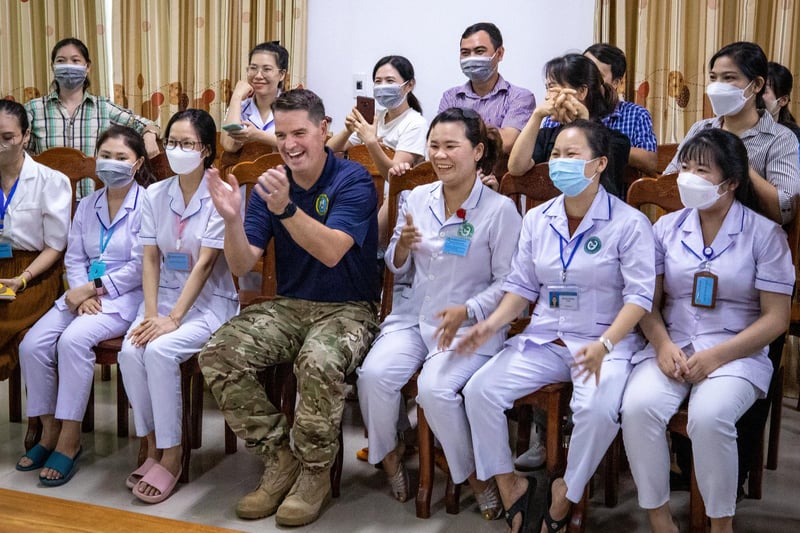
(232, 127)
(366, 106)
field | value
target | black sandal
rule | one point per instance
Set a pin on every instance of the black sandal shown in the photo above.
(552, 524)
(522, 506)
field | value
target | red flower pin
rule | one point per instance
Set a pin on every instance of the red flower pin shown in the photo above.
(461, 213)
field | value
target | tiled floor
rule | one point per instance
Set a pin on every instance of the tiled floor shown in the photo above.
(217, 481)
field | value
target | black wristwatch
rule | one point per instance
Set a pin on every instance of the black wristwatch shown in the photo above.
(98, 287)
(290, 210)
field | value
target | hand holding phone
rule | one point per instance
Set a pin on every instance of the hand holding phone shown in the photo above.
(232, 127)
(366, 106)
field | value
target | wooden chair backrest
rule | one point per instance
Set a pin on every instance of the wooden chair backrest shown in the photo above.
(247, 173)
(419, 175)
(655, 196)
(76, 165)
(360, 154)
(248, 152)
(665, 153)
(530, 189)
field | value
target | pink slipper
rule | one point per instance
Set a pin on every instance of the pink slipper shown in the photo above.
(139, 473)
(159, 478)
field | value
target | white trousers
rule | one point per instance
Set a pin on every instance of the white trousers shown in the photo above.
(511, 375)
(392, 360)
(57, 360)
(152, 377)
(650, 400)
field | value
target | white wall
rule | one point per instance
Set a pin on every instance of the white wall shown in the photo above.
(348, 36)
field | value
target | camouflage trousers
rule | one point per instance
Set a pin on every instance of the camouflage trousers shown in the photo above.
(325, 341)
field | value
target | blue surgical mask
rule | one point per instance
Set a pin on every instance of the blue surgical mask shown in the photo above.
(568, 175)
(69, 77)
(389, 95)
(478, 68)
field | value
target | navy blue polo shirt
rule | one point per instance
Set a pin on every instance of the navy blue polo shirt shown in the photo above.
(343, 198)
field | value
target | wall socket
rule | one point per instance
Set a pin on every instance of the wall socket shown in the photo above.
(359, 84)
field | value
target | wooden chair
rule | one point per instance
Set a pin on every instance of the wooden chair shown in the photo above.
(530, 189)
(160, 165)
(226, 161)
(360, 154)
(665, 153)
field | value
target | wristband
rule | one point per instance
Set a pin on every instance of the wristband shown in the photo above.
(174, 321)
(22, 280)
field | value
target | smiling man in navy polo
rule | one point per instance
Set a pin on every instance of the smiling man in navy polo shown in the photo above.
(321, 212)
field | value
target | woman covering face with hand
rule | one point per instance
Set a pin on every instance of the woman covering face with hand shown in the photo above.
(457, 236)
(723, 293)
(188, 294)
(104, 271)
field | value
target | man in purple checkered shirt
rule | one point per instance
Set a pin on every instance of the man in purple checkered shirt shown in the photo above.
(630, 119)
(500, 104)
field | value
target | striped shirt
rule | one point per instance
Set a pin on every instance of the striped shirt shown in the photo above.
(51, 126)
(772, 151)
(506, 106)
(629, 119)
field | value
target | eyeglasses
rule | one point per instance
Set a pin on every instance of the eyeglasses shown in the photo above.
(267, 70)
(186, 146)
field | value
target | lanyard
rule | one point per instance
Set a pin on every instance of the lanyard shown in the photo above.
(181, 227)
(105, 236)
(6, 202)
(565, 265)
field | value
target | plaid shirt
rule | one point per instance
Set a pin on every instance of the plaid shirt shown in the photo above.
(51, 126)
(506, 106)
(629, 119)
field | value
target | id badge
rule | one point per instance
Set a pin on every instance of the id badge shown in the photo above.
(179, 261)
(5, 250)
(97, 270)
(456, 246)
(704, 290)
(563, 296)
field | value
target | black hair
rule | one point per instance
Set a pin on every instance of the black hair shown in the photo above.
(750, 59)
(301, 100)
(494, 33)
(611, 56)
(406, 71)
(599, 141)
(476, 132)
(144, 176)
(780, 80)
(727, 152)
(203, 126)
(77, 43)
(17, 110)
(280, 53)
(576, 71)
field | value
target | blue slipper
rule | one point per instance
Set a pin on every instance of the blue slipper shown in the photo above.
(38, 455)
(61, 464)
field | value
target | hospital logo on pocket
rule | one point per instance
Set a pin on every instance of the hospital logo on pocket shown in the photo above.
(321, 204)
(592, 245)
(466, 230)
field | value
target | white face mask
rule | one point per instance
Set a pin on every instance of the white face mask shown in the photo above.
(183, 162)
(696, 192)
(726, 99)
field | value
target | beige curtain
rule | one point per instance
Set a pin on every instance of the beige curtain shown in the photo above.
(669, 43)
(189, 53)
(25, 71)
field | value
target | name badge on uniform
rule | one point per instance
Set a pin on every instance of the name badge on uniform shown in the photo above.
(97, 270)
(563, 296)
(704, 291)
(456, 246)
(5, 250)
(179, 261)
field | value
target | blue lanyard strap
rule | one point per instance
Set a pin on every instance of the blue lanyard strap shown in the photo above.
(7, 201)
(565, 265)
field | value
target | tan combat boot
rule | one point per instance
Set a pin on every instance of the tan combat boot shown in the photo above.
(304, 502)
(279, 475)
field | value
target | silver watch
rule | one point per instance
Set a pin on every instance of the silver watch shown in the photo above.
(607, 344)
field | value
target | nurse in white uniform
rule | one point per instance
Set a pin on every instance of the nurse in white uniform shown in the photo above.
(459, 236)
(188, 294)
(104, 271)
(723, 293)
(586, 260)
